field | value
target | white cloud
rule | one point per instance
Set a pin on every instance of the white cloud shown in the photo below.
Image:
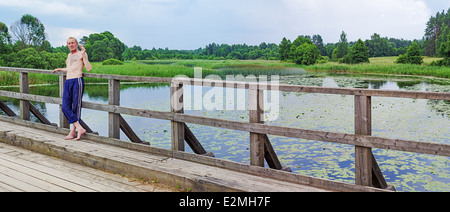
(188, 24)
(358, 18)
(57, 36)
(44, 7)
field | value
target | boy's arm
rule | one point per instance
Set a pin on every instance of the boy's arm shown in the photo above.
(59, 69)
(86, 62)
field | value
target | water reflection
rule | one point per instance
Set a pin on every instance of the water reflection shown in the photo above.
(382, 85)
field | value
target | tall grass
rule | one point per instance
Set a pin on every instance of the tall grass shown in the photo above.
(385, 66)
(253, 69)
(172, 68)
(12, 78)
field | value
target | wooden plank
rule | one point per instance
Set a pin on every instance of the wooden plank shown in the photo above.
(125, 127)
(177, 106)
(193, 142)
(99, 178)
(270, 155)
(342, 138)
(39, 115)
(24, 104)
(256, 114)
(63, 122)
(378, 179)
(325, 90)
(30, 97)
(25, 70)
(90, 75)
(363, 155)
(42, 173)
(7, 188)
(81, 175)
(367, 170)
(28, 179)
(18, 185)
(6, 109)
(114, 118)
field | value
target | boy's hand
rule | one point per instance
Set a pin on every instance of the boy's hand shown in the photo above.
(83, 50)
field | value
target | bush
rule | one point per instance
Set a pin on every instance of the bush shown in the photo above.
(413, 56)
(112, 62)
(443, 62)
(359, 53)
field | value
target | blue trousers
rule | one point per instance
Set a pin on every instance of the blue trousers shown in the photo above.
(72, 98)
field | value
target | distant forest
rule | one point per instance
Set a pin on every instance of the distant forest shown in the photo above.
(24, 44)
(379, 47)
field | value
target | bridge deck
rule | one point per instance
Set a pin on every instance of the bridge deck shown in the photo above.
(166, 170)
(24, 170)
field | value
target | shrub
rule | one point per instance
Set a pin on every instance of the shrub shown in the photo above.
(112, 61)
(413, 56)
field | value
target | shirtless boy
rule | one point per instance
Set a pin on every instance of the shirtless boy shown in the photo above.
(74, 86)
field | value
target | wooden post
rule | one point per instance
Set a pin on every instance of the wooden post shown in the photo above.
(114, 99)
(177, 106)
(24, 104)
(39, 115)
(193, 142)
(7, 110)
(128, 131)
(256, 113)
(63, 122)
(363, 155)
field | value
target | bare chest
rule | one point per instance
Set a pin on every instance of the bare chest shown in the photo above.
(74, 60)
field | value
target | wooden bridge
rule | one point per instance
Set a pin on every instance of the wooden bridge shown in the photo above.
(201, 171)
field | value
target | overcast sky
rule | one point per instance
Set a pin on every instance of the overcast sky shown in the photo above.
(191, 24)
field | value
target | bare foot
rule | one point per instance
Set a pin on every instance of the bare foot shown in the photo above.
(70, 136)
(80, 133)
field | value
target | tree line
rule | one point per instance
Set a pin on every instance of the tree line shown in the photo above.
(210, 52)
(25, 44)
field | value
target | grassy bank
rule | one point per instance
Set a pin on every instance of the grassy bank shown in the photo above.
(385, 65)
(172, 68)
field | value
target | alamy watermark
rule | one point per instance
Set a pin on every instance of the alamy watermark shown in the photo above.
(213, 93)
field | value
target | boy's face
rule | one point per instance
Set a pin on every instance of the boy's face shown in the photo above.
(72, 44)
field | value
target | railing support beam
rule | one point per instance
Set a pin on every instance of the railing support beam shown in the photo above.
(363, 155)
(114, 118)
(367, 171)
(63, 122)
(177, 106)
(256, 104)
(24, 104)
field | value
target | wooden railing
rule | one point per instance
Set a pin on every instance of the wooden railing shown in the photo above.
(367, 171)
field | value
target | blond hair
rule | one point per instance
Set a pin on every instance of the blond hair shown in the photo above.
(72, 38)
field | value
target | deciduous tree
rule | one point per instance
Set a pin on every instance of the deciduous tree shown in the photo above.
(359, 53)
(29, 31)
(413, 55)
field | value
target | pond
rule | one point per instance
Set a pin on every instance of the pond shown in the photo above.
(410, 119)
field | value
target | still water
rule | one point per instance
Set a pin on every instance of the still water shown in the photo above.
(410, 119)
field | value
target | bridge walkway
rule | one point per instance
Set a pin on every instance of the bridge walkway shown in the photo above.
(22, 170)
(163, 168)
